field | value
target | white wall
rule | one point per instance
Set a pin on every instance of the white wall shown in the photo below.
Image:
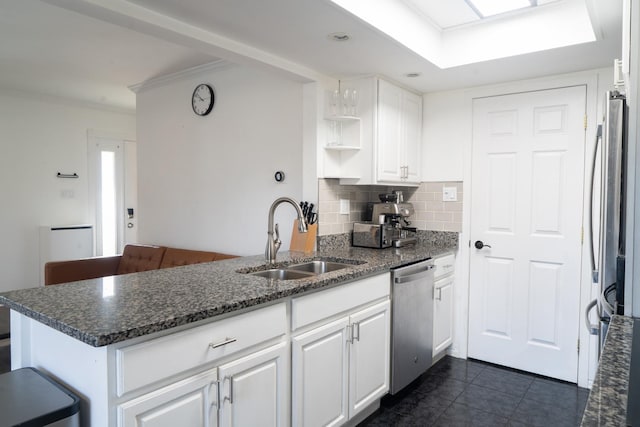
(207, 182)
(39, 138)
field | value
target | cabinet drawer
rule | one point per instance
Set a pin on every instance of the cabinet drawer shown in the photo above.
(444, 265)
(321, 305)
(145, 363)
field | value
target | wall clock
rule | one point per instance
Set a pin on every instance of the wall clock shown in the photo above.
(202, 99)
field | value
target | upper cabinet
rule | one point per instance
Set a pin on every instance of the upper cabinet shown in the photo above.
(380, 143)
(399, 135)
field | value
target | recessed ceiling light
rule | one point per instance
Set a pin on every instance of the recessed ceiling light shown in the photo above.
(412, 75)
(339, 37)
(486, 8)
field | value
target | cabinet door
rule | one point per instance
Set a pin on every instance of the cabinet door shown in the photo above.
(412, 136)
(253, 389)
(185, 403)
(389, 133)
(443, 314)
(369, 358)
(319, 376)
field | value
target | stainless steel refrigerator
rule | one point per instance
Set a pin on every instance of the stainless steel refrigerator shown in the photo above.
(608, 184)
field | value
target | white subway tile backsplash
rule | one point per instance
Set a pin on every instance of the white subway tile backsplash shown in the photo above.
(431, 213)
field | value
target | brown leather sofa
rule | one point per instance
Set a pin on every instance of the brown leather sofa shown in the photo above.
(134, 258)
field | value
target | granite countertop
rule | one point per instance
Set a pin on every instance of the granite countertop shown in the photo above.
(108, 310)
(607, 404)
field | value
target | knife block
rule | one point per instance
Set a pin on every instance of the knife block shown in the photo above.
(303, 242)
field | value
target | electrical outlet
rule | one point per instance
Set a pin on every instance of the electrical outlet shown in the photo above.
(345, 207)
(449, 194)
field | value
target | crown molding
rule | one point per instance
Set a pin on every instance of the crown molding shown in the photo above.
(166, 79)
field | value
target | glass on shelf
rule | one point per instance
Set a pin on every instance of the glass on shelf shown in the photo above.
(335, 134)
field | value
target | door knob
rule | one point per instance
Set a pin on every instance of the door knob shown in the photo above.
(479, 244)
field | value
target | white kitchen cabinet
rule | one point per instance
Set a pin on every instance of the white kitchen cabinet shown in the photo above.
(320, 375)
(443, 314)
(398, 135)
(185, 403)
(253, 389)
(237, 370)
(341, 367)
(389, 138)
(340, 353)
(369, 362)
(248, 391)
(443, 304)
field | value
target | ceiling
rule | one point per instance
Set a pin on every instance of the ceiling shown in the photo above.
(93, 50)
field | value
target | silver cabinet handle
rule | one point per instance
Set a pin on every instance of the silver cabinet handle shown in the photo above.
(222, 343)
(356, 327)
(230, 398)
(439, 297)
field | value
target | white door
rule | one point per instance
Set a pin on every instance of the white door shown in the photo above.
(185, 403)
(526, 204)
(319, 384)
(369, 356)
(253, 389)
(112, 190)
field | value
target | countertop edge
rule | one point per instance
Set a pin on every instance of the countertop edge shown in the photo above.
(101, 338)
(607, 402)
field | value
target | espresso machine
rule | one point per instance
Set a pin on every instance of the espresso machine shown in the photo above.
(386, 224)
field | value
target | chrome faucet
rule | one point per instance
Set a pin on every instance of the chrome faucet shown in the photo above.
(273, 244)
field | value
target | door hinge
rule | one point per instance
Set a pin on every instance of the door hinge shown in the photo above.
(582, 235)
(585, 122)
(578, 346)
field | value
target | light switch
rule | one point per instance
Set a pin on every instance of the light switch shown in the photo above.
(345, 207)
(449, 194)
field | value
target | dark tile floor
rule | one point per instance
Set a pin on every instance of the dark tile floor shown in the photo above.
(5, 357)
(457, 392)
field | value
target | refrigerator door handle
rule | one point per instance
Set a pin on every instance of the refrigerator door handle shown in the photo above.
(606, 307)
(594, 268)
(593, 329)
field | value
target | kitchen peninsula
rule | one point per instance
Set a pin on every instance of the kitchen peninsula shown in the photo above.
(190, 340)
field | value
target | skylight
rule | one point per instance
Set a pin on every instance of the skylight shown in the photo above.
(486, 8)
(551, 24)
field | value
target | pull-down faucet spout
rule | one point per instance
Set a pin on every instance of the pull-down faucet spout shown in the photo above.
(273, 243)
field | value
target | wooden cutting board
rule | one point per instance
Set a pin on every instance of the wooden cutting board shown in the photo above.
(303, 242)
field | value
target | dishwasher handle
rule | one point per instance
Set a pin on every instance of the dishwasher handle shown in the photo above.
(426, 271)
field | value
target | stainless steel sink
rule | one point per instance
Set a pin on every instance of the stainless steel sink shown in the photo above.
(302, 270)
(283, 274)
(319, 267)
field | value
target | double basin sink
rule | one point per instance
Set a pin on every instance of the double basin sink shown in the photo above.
(302, 270)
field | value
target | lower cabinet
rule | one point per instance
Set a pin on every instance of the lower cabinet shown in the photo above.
(340, 367)
(185, 403)
(443, 314)
(249, 391)
(253, 389)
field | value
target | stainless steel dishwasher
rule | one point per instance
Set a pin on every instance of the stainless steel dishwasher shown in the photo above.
(412, 323)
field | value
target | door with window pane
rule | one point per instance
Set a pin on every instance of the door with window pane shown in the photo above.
(112, 183)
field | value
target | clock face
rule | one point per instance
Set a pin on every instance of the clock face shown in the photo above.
(202, 99)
